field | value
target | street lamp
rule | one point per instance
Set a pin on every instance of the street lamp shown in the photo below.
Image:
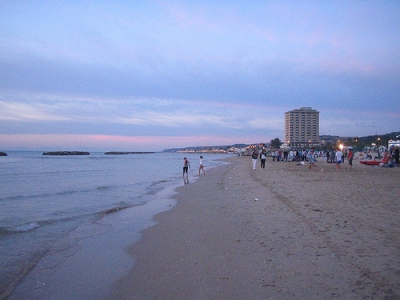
(377, 147)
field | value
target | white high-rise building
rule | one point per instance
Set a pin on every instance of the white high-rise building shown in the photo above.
(302, 127)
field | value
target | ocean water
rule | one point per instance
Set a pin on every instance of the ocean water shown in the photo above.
(65, 220)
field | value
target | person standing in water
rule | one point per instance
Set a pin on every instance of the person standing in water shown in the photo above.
(201, 168)
(186, 165)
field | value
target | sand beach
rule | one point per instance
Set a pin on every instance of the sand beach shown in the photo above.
(283, 232)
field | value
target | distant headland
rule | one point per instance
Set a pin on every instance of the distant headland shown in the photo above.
(3, 154)
(120, 153)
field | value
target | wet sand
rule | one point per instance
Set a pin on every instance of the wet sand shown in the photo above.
(283, 232)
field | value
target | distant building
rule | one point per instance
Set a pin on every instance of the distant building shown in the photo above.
(302, 127)
(330, 139)
(393, 144)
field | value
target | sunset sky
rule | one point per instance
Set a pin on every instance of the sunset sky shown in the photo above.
(150, 75)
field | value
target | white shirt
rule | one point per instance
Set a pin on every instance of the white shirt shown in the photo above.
(339, 155)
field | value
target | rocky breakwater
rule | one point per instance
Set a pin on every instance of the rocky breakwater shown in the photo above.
(3, 154)
(66, 153)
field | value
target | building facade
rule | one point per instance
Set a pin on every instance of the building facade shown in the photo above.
(302, 127)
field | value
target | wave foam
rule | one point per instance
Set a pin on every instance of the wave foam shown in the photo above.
(18, 229)
(26, 227)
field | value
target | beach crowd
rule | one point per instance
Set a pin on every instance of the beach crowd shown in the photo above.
(389, 158)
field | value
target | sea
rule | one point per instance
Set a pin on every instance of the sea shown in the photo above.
(66, 221)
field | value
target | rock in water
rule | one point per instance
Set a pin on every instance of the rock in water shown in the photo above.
(66, 153)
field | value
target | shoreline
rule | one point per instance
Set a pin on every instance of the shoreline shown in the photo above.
(279, 233)
(86, 255)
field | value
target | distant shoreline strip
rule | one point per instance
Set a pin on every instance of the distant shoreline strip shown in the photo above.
(87, 153)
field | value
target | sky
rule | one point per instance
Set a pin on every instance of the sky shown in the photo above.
(150, 75)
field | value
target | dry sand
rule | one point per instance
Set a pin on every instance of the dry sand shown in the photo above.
(283, 232)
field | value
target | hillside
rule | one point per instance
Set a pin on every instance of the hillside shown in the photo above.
(359, 142)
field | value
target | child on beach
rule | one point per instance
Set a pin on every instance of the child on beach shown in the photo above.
(311, 158)
(201, 165)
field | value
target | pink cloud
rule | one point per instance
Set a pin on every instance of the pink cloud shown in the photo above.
(187, 18)
(348, 64)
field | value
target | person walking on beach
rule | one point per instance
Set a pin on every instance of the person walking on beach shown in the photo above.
(350, 156)
(254, 157)
(338, 155)
(186, 165)
(311, 158)
(263, 157)
(201, 168)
